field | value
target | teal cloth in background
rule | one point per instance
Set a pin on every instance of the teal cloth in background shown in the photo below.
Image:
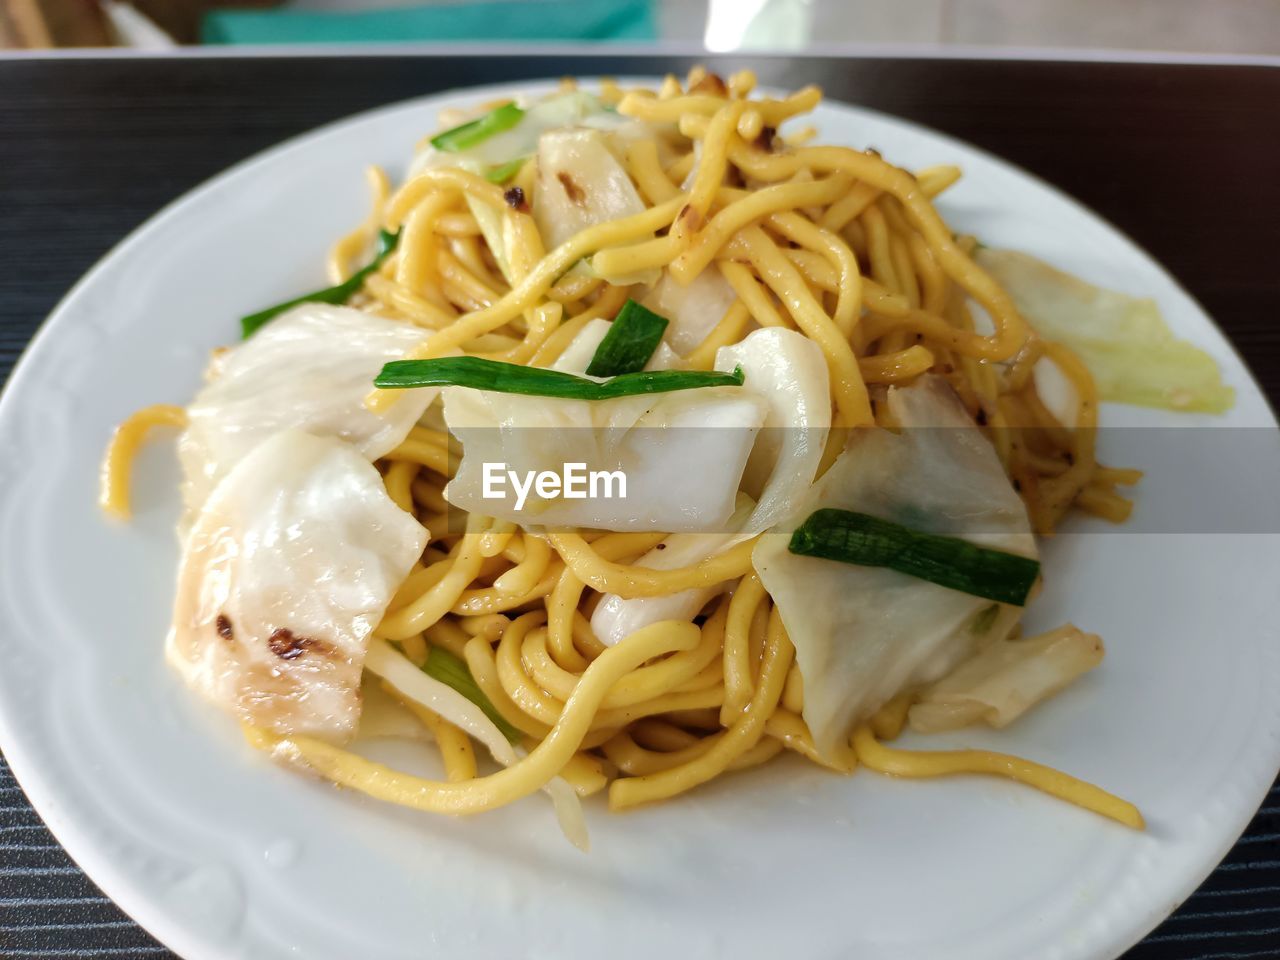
(493, 22)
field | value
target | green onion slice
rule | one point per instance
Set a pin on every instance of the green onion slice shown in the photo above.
(630, 342)
(478, 130)
(947, 561)
(340, 293)
(504, 171)
(482, 374)
(453, 672)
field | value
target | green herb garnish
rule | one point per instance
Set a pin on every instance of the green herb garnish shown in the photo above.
(947, 561)
(482, 374)
(504, 171)
(630, 342)
(453, 672)
(340, 293)
(478, 130)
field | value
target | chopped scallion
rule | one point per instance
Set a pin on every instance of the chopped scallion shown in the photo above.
(477, 131)
(339, 293)
(504, 171)
(482, 374)
(868, 541)
(453, 672)
(630, 342)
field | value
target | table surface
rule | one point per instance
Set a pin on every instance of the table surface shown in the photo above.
(1183, 158)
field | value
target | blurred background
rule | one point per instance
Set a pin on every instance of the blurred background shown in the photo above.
(1178, 26)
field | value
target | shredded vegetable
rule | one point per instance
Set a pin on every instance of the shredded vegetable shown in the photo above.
(453, 672)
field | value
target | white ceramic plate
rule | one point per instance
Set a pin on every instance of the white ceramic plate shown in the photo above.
(221, 854)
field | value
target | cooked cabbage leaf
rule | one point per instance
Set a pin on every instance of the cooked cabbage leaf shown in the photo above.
(285, 573)
(1131, 352)
(309, 369)
(581, 184)
(568, 109)
(694, 309)
(518, 142)
(682, 455)
(788, 371)
(544, 433)
(864, 634)
(1006, 679)
(615, 618)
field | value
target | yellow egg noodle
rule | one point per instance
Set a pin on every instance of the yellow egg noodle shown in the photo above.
(833, 242)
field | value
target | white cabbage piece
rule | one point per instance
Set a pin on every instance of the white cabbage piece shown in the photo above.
(569, 109)
(622, 132)
(693, 309)
(682, 454)
(288, 568)
(528, 433)
(553, 112)
(615, 618)
(863, 634)
(588, 128)
(578, 355)
(788, 371)
(308, 369)
(1006, 679)
(581, 184)
(1123, 340)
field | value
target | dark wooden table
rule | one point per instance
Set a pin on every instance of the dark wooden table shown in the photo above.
(1184, 158)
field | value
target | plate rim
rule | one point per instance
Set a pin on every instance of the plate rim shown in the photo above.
(147, 909)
